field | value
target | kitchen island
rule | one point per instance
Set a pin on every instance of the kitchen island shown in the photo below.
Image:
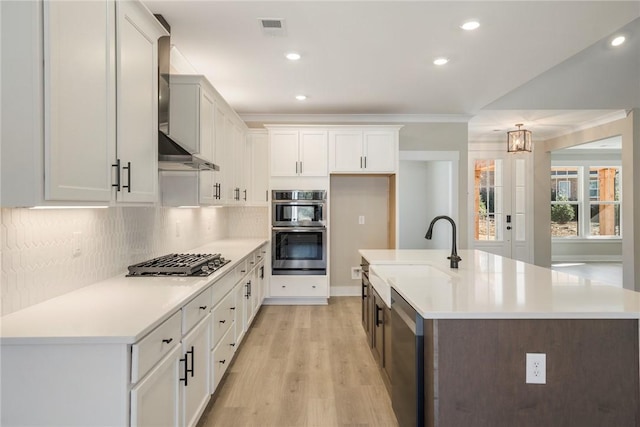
(480, 321)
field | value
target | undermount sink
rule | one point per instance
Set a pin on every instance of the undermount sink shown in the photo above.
(383, 274)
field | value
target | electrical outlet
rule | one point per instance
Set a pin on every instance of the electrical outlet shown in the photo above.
(361, 219)
(356, 273)
(536, 368)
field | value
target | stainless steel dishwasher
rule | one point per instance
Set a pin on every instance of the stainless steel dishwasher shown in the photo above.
(407, 390)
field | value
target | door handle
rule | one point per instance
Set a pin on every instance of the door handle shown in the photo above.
(508, 227)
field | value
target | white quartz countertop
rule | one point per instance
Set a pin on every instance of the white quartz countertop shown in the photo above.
(492, 287)
(117, 310)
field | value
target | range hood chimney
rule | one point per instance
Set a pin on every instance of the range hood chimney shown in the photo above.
(171, 154)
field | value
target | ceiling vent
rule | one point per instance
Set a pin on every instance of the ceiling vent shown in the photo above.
(273, 26)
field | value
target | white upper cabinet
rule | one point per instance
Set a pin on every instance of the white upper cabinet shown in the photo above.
(79, 100)
(191, 121)
(83, 127)
(258, 147)
(298, 152)
(137, 102)
(58, 121)
(363, 150)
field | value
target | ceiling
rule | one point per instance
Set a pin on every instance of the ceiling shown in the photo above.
(375, 58)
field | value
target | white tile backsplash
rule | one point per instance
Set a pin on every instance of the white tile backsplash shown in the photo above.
(46, 253)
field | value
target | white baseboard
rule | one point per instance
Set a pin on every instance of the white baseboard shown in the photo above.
(345, 291)
(586, 258)
(295, 301)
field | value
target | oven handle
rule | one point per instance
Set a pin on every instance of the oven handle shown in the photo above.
(300, 229)
(299, 202)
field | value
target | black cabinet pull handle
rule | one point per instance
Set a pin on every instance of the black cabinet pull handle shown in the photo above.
(192, 362)
(222, 321)
(186, 371)
(378, 310)
(222, 361)
(167, 341)
(203, 307)
(364, 288)
(117, 166)
(245, 195)
(128, 168)
(232, 344)
(232, 308)
(365, 162)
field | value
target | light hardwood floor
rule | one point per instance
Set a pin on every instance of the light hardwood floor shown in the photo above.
(303, 366)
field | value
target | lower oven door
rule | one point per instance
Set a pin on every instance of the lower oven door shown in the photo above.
(299, 251)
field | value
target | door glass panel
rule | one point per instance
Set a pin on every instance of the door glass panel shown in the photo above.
(488, 199)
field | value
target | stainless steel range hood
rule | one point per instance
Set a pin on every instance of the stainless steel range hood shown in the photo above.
(171, 155)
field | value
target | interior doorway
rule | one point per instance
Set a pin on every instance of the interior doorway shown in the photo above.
(427, 187)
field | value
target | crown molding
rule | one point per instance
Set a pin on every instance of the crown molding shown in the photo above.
(356, 118)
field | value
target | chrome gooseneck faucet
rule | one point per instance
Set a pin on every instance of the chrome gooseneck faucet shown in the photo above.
(454, 253)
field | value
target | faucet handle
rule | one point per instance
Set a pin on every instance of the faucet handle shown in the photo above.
(455, 259)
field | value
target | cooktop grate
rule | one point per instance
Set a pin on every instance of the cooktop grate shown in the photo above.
(179, 265)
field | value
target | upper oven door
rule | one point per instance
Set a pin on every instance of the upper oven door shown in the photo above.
(298, 214)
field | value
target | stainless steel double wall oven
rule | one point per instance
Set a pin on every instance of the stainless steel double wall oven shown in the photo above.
(299, 232)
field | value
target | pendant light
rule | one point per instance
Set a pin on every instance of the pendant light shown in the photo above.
(519, 140)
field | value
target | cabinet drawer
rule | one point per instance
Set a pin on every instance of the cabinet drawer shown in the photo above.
(196, 310)
(222, 287)
(221, 358)
(283, 286)
(241, 269)
(223, 318)
(252, 260)
(150, 349)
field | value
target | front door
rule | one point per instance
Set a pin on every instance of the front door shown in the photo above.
(500, 203)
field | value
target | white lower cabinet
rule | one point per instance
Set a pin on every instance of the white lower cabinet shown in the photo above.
(155, 400)
(194, 376)
(239, 292)
(299, 286)
(165, 378)
(221, 357)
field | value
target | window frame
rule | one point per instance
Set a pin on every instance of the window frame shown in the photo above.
(584, 200)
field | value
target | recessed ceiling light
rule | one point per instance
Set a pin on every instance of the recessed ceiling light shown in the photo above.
(440, 61)
(618, 41)
(470, 25)
(301, 97)
(293, 56)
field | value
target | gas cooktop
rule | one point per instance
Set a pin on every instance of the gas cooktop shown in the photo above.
(179, 265)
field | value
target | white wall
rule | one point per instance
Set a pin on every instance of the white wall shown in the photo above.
(425, 191)
(39, 247)
(449, 137)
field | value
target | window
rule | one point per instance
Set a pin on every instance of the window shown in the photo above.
(585, 201)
